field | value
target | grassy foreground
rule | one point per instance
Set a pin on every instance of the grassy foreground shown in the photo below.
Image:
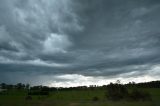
(73, 98)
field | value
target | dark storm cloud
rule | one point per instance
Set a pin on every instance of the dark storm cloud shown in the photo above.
(84, 37)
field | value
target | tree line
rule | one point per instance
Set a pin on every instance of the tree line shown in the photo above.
(114, 91)
(152, 84)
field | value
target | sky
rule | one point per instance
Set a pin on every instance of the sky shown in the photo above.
(65, 43)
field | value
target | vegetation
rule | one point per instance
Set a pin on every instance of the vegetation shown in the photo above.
(119, 92)
(131, 94)
(116, 92)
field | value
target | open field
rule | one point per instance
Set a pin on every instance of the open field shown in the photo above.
(73, 98)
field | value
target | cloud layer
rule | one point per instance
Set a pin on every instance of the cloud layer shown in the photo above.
(82, 39)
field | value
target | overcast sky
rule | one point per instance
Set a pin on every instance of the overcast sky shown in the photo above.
(79, 42)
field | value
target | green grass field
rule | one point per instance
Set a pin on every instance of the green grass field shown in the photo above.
(73, 98)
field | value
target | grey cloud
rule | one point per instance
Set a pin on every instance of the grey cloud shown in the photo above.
(90, 38)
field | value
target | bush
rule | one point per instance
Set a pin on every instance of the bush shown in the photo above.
(28, 98)
(116, 92)
(95, 98)
(139, 95)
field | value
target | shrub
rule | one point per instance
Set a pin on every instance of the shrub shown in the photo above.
(116, 92)
(28, 97)
(139, 95)
(119, 91)
(95, 98)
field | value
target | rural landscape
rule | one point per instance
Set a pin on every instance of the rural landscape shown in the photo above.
(79, 52)
(114, 94)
